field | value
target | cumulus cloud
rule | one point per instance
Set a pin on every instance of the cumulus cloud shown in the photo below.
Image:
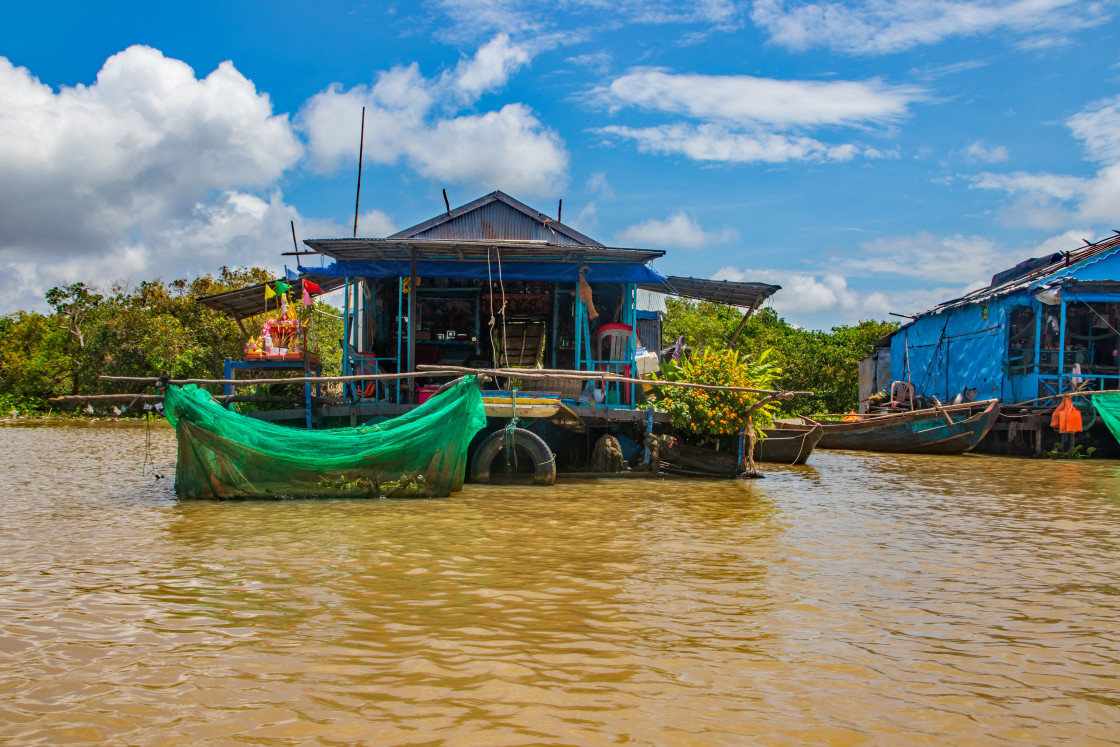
(744, 119)
(99, 179)
(490, 68)
(887, 26)
(679, 230)
(407, 119)
(805, 295)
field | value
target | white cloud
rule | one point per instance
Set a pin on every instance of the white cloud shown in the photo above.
(598, 184)
(716, 143)
(886, 26)
(962, 260)
(406, 120)
(744, 119)
(533, 18)
(1057, 200)
(1098, 128)
(679, 230)
(749, 101)
(98, 179)
(804, 295)
(490, 67)
(979, 152)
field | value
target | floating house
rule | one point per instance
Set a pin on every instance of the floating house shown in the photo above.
(1045, 326)
(497, 284)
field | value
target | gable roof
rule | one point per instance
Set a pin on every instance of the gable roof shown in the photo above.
(496, 216)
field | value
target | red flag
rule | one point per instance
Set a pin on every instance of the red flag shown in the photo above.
(311, 287)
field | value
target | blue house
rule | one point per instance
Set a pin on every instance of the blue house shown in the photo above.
(1045, 326)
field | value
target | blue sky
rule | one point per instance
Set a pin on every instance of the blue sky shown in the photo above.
(869, 157)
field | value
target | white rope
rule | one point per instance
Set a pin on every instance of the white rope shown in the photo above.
(501, 283)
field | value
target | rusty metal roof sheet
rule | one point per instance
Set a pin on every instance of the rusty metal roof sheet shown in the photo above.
(249, 301)
(746, 295)
(496, 217)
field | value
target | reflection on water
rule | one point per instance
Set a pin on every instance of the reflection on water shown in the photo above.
(860, 599)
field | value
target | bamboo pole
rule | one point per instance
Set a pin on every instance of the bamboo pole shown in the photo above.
(539, 373)
(1079, 393)
(435, 371)
(284, 380)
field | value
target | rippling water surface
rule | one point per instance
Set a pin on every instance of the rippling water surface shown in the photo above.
(862, 599)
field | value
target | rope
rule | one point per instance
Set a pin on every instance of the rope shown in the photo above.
(511, 426)
(501, 283)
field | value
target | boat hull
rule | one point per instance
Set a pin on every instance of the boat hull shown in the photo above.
(917, 432)
(781, 446)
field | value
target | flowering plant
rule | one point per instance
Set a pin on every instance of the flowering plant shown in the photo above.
(711, 412)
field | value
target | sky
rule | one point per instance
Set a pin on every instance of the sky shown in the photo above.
(871, 158)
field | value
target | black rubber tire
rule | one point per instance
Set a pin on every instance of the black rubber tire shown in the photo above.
(544, 472)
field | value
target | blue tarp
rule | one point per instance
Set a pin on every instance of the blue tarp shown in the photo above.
(958, 349)
(601, 272)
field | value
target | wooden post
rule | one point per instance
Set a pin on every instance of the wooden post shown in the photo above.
(742, 324)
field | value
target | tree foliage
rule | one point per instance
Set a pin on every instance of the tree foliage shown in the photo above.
(707, 412)
(826, 363)
(129, 330)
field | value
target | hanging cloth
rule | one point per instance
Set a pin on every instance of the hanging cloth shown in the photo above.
(585, 296)
(1066, 418)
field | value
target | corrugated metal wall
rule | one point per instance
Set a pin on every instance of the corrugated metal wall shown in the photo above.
(495, 221)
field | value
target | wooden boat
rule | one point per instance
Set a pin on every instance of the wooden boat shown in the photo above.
(950, 429)
(780, 446)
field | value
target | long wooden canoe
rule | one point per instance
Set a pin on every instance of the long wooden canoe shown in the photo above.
(951, 429)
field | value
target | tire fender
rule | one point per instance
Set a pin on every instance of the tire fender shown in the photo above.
(493, 446)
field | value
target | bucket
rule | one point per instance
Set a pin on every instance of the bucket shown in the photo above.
(424, 393)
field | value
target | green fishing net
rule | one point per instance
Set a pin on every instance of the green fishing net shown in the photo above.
(422, 453)
(1108, 407)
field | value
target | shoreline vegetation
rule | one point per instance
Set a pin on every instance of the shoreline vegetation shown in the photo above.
(154, 326)
(130, 330)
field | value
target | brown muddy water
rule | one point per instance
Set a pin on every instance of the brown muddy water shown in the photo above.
(862, 599)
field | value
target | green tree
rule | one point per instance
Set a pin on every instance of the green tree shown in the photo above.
(826, 363)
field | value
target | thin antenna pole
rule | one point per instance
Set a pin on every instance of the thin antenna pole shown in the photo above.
(446, 204)
(361, 147)
(559, 211)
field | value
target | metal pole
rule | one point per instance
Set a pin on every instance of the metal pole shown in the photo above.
(361, 147)
(412, 322)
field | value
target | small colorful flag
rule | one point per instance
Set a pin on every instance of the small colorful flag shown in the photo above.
(269, 293)
(311, 287)
(306, 297)
(282, 287)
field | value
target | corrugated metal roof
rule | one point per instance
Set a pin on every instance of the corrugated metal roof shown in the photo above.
(249, 301)
(475, 250)
(747, 295)
(496, 216)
